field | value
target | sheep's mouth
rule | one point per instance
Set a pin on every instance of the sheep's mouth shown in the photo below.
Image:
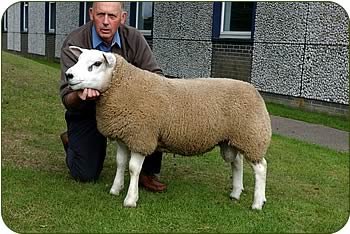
(73, 84)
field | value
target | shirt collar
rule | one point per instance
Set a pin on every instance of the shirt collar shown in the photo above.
(97, 42)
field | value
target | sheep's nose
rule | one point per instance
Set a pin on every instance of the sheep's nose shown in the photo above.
(69, 76)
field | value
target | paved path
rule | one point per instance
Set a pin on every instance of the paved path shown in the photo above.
(312, 133)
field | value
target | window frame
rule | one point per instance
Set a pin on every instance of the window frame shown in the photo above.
(24, 16)
(84, 12)
(147, 32)
(5, 22)
(51, 30)
(246, 35)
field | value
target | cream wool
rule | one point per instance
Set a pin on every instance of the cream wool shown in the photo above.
(145, 112)
(183, 116)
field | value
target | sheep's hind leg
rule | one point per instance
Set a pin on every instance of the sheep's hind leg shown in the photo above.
(122, 157)
(230, 154)
(135, 165)
(237, 174)
(260, 170)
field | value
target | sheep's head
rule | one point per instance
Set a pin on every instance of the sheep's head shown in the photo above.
(93, 70)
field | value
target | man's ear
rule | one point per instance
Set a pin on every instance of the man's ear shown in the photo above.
(76, 50)
(124, 17)
(109, 59)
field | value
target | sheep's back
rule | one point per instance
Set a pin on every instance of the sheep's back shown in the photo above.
(204, 112)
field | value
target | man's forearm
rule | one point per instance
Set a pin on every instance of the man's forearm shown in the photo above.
(73, 101)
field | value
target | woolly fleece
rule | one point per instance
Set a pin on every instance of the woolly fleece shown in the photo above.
(149, 112)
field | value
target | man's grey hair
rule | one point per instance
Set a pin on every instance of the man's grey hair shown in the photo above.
(121, 5)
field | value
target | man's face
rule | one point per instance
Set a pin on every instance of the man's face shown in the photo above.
(107, 17)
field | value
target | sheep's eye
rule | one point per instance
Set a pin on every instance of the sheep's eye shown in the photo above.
(97, 64)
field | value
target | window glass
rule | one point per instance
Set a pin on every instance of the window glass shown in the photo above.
(52, 17)
(144, 12)
(4, 21)
(24, 17)
(87, 6)
(237, 19)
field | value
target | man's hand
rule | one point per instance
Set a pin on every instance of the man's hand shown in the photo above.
(88, 94)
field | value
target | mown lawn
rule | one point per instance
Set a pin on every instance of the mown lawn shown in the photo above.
(307, 187)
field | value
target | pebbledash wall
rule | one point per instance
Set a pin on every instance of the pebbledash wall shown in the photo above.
(302, 55)
(298, 53)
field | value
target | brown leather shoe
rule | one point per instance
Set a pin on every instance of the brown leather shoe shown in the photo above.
(151, 183)
(64, 139)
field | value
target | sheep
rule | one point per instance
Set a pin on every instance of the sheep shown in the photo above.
(145, 112)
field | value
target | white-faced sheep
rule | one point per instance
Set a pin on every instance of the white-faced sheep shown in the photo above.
(145, 112)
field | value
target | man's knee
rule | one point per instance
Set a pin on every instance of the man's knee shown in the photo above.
(83, 170)
(84, 176)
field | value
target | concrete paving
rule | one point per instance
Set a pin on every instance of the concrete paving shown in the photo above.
(312, 133)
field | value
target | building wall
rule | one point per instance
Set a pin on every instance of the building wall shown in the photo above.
(36, 28)
(182, 38)
(67, 19)
(232, 60)
(301, 49)
(14, 27)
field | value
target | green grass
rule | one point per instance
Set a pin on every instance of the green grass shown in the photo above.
(307, 187)
(338, 122)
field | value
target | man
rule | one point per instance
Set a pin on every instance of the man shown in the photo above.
(86, 147)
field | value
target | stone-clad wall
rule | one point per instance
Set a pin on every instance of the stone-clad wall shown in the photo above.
(14, 27)
(301, 49)
(36, 28)
(67, 19)
(182, 38)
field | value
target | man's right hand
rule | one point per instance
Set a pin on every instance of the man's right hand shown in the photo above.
(88, 94)
(75, 100)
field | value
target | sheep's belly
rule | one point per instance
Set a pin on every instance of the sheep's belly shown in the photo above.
(186, 148)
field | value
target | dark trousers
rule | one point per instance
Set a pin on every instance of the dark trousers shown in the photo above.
(87, 148)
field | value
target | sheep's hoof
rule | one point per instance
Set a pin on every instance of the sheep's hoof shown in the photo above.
(258, 205)
(114, 192)
(235, 195)
(129, 203)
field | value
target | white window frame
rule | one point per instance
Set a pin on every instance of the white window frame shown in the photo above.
(86, 18)
(51, 30)
(5, 27)
(144, 32)
(231, 34)
(25, 16)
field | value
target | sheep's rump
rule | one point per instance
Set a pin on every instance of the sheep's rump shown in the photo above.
(183, 116)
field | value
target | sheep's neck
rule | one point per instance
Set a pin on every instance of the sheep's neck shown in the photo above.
(119, 66)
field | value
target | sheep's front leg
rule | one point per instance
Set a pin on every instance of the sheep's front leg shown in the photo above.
(122, 157)
(135, 165)
(260, 170)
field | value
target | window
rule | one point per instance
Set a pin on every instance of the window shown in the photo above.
(141, 16)
(4, 22)
(24, 16)
(144, 16)
(237, 20)
(52, 17)
(84, 12)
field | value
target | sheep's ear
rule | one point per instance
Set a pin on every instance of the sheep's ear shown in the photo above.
(76, 50)
(109, 58)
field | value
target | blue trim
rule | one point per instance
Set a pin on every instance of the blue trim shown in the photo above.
(132, 15)
(217, 6)
(81, 13)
